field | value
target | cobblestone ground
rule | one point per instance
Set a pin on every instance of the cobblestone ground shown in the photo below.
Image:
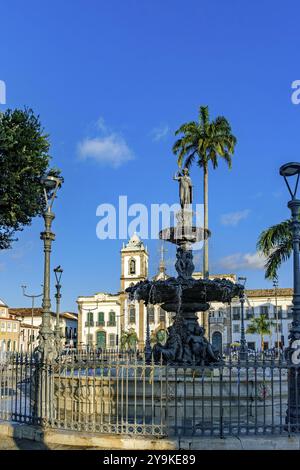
(8, 443)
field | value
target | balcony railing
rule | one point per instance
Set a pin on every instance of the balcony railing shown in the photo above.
(111, 323)
(89, 323)
(216, 319)
(100, 323)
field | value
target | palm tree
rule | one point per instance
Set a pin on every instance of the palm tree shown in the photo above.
(205, 141)
(277, 245)
(261, 326)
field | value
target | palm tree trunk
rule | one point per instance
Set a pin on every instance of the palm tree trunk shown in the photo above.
(205, 198)
(262, 343)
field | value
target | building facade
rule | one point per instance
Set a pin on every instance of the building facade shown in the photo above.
(9, 329)
(104, 317)
(30, 321)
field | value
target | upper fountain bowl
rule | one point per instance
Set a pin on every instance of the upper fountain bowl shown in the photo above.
(184, 234)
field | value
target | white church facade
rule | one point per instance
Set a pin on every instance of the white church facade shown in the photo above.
(104, 317)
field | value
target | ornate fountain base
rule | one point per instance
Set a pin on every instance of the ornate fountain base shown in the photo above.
(186, 344)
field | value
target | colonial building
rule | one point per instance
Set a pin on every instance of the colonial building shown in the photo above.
(9, 329)
(30, 322)
(103, 317)
(99, 320)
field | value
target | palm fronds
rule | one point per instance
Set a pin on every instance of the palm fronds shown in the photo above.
(277, 245)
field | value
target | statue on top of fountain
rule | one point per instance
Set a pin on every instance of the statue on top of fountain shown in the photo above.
(185, 188)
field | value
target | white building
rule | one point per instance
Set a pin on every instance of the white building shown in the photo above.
(103, 317)
(31, 320)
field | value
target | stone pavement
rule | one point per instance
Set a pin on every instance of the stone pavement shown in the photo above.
(10, 443)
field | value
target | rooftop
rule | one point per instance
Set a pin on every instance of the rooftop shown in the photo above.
(37, 312)
(281, 292)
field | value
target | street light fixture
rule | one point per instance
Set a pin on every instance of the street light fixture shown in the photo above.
(293, 412)
(46, 347)
(57, 333)
(243, 347)
(33, 297)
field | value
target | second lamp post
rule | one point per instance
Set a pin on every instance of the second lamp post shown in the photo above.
(57, 332)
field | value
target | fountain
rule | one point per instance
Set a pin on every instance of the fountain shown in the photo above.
(185, 296)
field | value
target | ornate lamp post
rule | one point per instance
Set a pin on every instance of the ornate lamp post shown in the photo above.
(32, 297)
(293, 412)
(275, 285)
(46, 346)
(243, 347)
(57, 333)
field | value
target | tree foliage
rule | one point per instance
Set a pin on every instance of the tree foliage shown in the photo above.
(205, 140)
(277, 245)
(24, 160)
(261, 326)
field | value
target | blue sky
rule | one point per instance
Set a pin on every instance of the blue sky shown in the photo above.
(126, 74)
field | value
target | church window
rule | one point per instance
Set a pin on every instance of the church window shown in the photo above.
(151, 314)
(162, 315)
(132, 314)
(132, 266)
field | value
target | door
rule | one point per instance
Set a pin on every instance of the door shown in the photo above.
(217, 341)
(101, 339)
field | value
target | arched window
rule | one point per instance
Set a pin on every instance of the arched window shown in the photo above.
(217, 341)
(132, 266)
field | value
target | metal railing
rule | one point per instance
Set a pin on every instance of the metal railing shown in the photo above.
(122, 393)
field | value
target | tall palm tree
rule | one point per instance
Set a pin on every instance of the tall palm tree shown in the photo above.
(277, 245)
(261, 326)
(205, 141)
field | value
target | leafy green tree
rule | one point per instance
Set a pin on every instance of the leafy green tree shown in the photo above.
(205, 141)
(261, 326)
(24, 160)
(277, 245)
(129, 339)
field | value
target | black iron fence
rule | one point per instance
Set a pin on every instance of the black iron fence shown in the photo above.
(122, 393)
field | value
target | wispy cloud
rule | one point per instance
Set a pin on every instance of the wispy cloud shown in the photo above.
(238, 261)
(233, 218)
(160, 132)
(107, 148)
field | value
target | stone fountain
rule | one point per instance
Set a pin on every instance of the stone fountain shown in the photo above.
(185, 296)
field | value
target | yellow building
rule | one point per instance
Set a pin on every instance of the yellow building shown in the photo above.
(9, 329)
